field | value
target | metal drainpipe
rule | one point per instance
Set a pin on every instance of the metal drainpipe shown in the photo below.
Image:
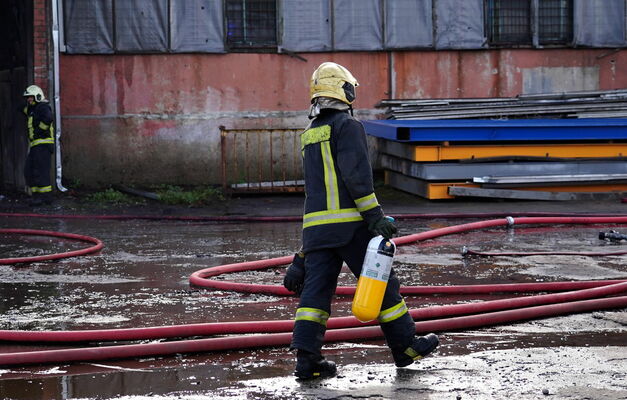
(57, 103)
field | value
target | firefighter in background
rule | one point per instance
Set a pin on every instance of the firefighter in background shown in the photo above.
(341, 215)
(41, 145)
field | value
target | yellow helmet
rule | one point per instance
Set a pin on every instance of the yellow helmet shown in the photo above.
(333, 80)
(36, 92)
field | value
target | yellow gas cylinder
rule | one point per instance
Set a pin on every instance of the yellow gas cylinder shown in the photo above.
(373, 279)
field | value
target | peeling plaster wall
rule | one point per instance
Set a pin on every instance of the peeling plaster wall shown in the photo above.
(154, 119)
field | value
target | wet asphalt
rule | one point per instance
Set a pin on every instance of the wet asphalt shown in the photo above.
(140, 279)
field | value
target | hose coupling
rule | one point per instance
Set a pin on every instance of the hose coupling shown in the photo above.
(510, 221)
(612, 236)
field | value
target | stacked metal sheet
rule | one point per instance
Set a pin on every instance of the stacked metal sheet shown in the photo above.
(597, 104)
(541, 159)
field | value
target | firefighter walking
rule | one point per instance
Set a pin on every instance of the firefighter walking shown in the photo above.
(41, 145)
(341, 215)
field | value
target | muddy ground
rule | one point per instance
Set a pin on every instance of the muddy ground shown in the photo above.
(140, 278)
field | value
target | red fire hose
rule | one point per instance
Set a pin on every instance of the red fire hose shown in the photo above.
(92, 249)
(584, 296)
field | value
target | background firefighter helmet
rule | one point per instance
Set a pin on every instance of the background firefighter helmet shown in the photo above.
(333, 80)
(36, 92)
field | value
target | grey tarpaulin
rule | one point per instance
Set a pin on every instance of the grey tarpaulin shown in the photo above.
(141, 25)
(88, 26)
(197, 26)
(306, 25)
(599, 23)
(408, 24)
(357, 25)
(459, 24)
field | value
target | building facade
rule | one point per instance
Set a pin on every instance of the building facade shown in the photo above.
(144, 86)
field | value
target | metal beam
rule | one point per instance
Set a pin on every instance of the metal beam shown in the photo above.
(534, 179)
(427, 153)
(468, 171)
(439, 131)
(510, 194)
(422, 188)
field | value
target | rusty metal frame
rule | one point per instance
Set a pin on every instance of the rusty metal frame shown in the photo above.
(266, 160)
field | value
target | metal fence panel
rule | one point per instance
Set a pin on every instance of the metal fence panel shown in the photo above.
(261, 160)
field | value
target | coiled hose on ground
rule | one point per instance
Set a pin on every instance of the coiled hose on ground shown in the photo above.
(580, 296)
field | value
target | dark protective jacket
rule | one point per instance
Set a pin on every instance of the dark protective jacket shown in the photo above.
(338, 181)
(39, 122)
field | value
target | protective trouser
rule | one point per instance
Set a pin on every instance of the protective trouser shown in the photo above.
(322, 270)
(37, 170)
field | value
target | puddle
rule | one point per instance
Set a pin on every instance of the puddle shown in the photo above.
(140, 279)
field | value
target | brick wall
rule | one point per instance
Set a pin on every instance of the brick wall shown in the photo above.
(42, 44)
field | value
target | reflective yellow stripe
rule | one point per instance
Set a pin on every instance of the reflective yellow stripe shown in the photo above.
(331, 217)
(412, 353)
(315, 135)
(41, 141)
(330, 178)
(312, 314)
(31, 132)
(41, 189)
(43, 126)
(393, 313)
(366, 203)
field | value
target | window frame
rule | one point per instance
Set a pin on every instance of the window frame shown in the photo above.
(254, 47)
(535, 37)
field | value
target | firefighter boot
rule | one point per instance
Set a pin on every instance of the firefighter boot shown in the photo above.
(419, 347)
(310, 366)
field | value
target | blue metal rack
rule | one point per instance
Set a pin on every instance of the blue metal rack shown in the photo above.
(473, 130)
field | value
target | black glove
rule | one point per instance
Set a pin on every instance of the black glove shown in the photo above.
(383, 226)
(294, 279)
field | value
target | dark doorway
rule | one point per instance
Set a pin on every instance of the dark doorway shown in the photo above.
(16, 49)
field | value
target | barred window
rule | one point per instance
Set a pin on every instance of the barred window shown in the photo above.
(509, 21)
(555, 21)
(512, 22)
(251, 24)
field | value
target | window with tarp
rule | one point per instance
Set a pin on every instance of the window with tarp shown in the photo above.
(600, 23)
(459, 24)
(141, 25)
(197, 26)
(357, 25)
(88, 26)
(306, 25)
(408, 24)
(216, 26)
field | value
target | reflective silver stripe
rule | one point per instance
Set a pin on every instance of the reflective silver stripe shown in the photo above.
(312, 314)
(393, 313)
(41, 141)
(367, 202)
(331, 217)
